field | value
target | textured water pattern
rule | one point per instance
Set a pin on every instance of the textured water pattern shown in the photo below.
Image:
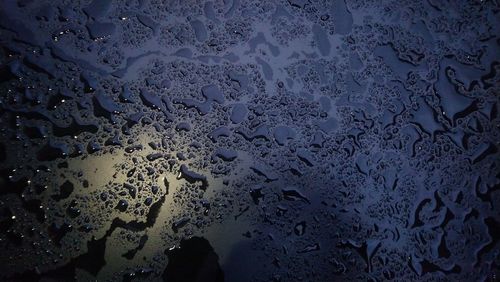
(305, 140)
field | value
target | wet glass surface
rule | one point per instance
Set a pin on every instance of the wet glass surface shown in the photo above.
(301, 140)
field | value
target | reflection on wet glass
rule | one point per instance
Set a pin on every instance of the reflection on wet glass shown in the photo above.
(244, 140)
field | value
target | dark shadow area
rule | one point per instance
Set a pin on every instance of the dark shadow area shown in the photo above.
(194, 261)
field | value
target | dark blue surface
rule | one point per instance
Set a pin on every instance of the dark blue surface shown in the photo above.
(305, 140)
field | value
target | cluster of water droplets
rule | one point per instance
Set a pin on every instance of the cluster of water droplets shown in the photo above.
(307, 140)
